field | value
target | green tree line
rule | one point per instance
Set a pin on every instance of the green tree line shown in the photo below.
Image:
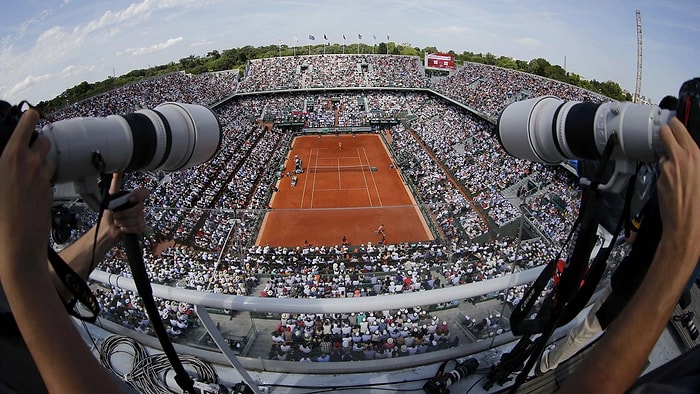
(237, 58)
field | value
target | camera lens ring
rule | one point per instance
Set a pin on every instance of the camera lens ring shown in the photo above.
(578, 130)
(194, 141)
(168, 138)
(144, 140)
(554, 130)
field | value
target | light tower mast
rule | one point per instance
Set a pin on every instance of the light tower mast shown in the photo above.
(638, 86)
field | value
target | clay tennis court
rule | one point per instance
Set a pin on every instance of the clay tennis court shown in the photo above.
(339, 194)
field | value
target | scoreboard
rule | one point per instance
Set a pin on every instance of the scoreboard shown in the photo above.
(440, 61)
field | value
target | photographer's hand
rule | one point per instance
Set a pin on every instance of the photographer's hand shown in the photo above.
(25, 198)
(128, 221)
(617, 359)
(64, 361)
(78, 255)
(679, 187)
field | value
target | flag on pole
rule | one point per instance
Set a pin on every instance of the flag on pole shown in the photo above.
(359, 36)
(312, 38)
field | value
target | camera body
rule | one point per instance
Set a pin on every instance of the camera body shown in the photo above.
(440, 384)
(550, 130)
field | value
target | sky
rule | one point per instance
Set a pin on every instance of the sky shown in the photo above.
(47, 47)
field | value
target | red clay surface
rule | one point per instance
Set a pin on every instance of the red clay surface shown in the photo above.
(333, 201)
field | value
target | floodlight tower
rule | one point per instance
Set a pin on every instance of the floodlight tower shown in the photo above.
(638, 86)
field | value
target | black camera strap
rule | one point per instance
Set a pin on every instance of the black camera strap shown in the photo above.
(569, 284)
(77, 286)
(597, 268)
(71, 280)
(143, 285)
(139, 274)
(571, 293)
(527, 350)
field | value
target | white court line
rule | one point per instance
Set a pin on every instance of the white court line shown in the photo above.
(313, 184)
(306, 179)
(340, 181)
(376, 188)
(364, 177)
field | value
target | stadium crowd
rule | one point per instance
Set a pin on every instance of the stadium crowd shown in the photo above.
(209, 214)
(359, 336)
(332, 71)
(488, 89)
(202, 89)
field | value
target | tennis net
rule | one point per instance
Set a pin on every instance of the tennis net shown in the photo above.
(355, 168)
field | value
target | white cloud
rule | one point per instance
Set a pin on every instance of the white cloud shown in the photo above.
(155, 48)
(58, 42)
(54, 34)
(133, 13)
(26, 25)
(446, 30)
(528, 41)
(28, 82)
(71, 70)
(209, 44)
(137, 12)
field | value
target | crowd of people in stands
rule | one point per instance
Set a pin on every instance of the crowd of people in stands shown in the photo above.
(488, 89)
(359, 336)
(333, 71)
(178, 87)
(209, 214)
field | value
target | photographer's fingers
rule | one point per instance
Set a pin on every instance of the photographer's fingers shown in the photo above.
(20, 139)
(679, 185)
(25, 196)
(675, 136)
(132, 220)
(139, 195)
(41, 148)
(116, 184)
(36, 154)
(23, 131)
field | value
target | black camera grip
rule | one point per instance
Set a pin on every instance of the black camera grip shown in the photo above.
(119, 201)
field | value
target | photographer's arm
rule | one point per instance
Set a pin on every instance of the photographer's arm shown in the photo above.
(78, 255)
(616, 361)
(64, 361)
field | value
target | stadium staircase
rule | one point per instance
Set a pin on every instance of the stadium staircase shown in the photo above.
(492, 226)
(267, 164)
(248, 148)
